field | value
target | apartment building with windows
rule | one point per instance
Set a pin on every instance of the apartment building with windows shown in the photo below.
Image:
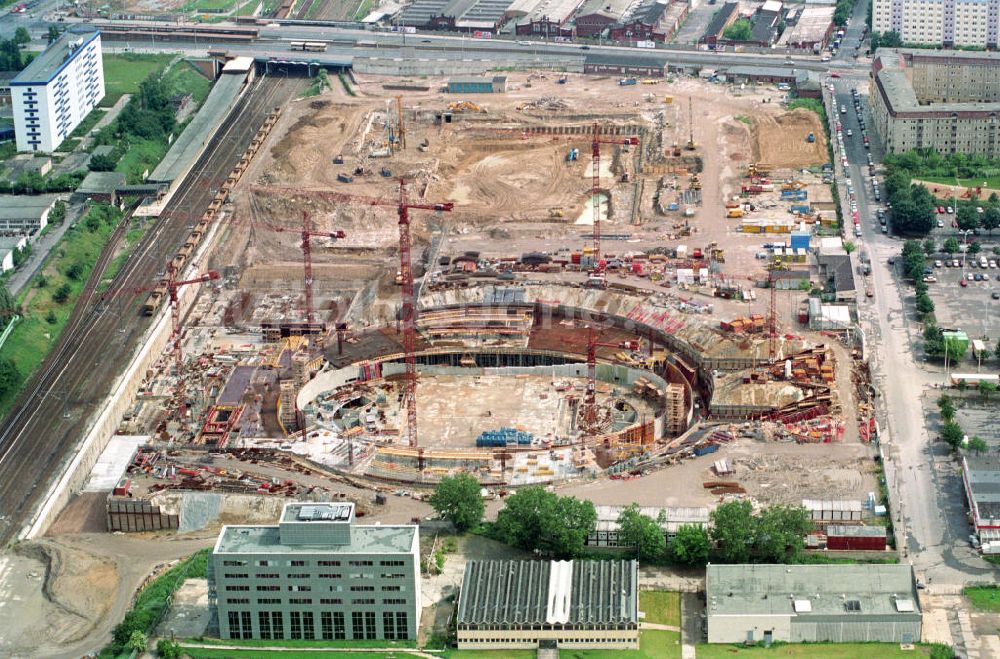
(316, 575)
(945, 22)
(54, 93)
(945, 100)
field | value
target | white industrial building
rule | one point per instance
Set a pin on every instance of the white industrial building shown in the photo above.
(54, 93)
(812, 603)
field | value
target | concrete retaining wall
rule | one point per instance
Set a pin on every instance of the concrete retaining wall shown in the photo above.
(400, 66)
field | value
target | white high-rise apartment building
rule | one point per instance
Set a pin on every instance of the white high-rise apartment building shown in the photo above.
(945, 22)
(54, 93)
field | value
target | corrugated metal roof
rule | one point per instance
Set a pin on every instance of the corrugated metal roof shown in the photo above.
(549, 592)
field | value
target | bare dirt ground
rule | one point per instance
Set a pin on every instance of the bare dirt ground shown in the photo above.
(781, 141)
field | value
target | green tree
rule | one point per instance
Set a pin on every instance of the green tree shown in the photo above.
(952, 434)
(690, 546)
(75, 271)
(996, 351)
(641, 532)
(849, 246)
(51, 318)
(974, 247)
(929, 247)
(458, 500)
(933, 341)
(61, 294)
(986, 388)
(967, 217)
(962, 385)
(10, 376)
(780, 533)
(951, 245)
(740, 30)
(888, 39)
(53, 33)
(732, 529)
(978, 445)
(946, 405)
(537, 520)
(137, 641)
(924, 304)
(991, 218)
(168, 649)
(22, 36)
(102, 163)
(58, 212)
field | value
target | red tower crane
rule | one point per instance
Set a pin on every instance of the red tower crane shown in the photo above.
(589, 411)
(408, 312)
(307, 233)
(171, 285)
(597, 139)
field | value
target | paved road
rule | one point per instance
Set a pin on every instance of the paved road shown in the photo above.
(924, 481)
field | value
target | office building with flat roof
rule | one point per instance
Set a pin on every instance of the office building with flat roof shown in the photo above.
(316, 575)
(812, 603)
(942, 100)
(54, 93)
(549, 604)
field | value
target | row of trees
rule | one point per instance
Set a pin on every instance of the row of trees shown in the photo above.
(928, 163)
(149, 114)
(914, 263)
(543, 522)
(35, 183)
(11, 56)
(888, 39)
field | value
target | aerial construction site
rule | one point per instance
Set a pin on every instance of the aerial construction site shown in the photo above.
(570, 281)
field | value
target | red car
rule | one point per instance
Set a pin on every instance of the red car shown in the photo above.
(963, 283)
(834, 75)
(954, 224)
(940, 210)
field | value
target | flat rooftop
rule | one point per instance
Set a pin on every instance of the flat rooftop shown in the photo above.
(889, 69)
(983, 476)
(16, 207)
(817, 590)
(51, 61)
(364, 540)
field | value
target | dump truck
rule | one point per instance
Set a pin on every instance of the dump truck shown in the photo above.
(734, 212)
(345, 178)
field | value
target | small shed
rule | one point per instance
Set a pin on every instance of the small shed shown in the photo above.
(101, 186)
(855, 537)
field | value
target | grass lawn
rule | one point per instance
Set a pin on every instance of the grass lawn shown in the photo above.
(812, 650)
(202, 653)
(124, 71)
(661, 606)
(183, 78)
(984, 598)
(490, 654)
(653, 644)
(211, 6)
(88, 122)
(33, 337)
(991, 182)
(142, 154)
(252, 643)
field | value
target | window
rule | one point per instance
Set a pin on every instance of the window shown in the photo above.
(357, 626)
(393, 576)
(230, 575)
(268, 588)
(363, 601)
(394, 601)
(391, 563)
(339, 629)
(269, 600)
(277, 624)
(327, 600)
(297, 563)
(234, 563)
(234, 625)
(264, 624)
(331, 576)
(360, 563)
(238, 600)
(326, 625)
(300, 600)
(266, 575)
(391, 588)
(389, 626)
(362, 589)
(296, 624)
(402, 625)
(263, 563)
(300, 589)
(370, 632)
(308, 630)
(237, 588)
(298, 575)
(328, 563)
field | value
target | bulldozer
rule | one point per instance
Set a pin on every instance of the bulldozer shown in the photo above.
(465, 106)
(555, 213)
(695, 182)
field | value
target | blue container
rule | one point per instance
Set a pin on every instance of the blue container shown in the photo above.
(800, 240)
(706, 449)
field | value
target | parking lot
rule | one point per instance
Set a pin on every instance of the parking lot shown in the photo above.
(974, 307)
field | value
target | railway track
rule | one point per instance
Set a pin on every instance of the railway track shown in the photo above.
(51, 417)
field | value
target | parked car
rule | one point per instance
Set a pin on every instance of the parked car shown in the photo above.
(938, 264)
(940, 210)
(930, 279)
(963, 283)
(940, 224)
(950, 210)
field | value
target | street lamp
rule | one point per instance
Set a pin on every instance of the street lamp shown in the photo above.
(965, 241)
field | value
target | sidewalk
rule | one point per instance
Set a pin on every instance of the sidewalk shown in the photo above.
(40, 250)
